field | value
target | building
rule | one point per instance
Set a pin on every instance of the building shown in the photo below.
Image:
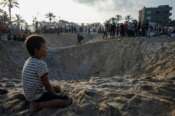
(158, 15)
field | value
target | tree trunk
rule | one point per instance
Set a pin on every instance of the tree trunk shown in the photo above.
(10, 13)
(50, 20)
(10, 16)
(18, 25)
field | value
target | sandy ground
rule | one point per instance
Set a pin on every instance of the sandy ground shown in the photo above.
(116, 77)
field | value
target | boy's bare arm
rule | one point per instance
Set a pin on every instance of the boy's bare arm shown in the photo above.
(46, 83)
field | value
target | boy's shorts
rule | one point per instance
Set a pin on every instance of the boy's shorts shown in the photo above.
(47, 96)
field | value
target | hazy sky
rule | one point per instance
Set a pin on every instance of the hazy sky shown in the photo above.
(84, 10)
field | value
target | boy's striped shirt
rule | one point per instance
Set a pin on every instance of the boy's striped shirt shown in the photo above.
(33, 70)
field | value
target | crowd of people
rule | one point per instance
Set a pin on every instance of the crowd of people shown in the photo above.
(133, 28)
(129, 29)
(109, 30)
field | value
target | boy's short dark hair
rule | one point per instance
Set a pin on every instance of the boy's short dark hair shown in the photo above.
(33, 42)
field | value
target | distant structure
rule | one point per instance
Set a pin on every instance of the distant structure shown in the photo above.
(158, 15)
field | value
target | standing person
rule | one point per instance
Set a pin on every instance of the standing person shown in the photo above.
(126, 28)
(36, 86)
(79, 38)
(117, 30)
(122, 30)
(105, 34)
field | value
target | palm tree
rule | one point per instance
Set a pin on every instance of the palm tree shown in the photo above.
(50, 15)
(26, 26)
(19, 20)
(35, 23)
(3, 16)
(118, 18)
(112, 20)
(10, 4)
(1, 11)
(128, 18)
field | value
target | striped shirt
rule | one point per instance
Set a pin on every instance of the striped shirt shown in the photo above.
(33, 69)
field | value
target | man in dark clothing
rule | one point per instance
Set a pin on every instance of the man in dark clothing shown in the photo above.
(79, 38)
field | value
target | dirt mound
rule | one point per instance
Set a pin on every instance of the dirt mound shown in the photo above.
(114, 57)
(12, 57)
(134, 56)
(68, 39)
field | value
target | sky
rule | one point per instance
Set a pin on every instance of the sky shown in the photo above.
(84, 11)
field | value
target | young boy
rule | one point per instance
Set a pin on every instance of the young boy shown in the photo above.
(37, 89)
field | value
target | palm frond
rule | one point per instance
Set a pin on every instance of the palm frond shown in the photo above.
(16, 6)
(15, 3)
(4, 4)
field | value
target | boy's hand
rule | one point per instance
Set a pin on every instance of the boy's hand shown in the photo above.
(57, 88)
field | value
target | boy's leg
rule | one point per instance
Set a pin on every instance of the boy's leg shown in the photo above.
(57, 103)
(49, 100)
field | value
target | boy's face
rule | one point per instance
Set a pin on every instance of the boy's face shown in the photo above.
(42, 52)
